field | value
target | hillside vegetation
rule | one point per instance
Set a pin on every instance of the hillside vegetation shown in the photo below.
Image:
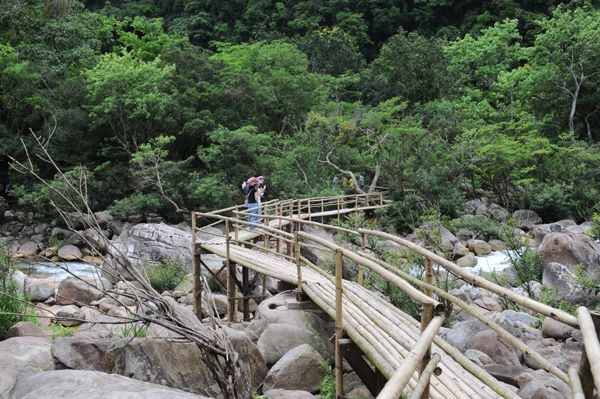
(444, 97)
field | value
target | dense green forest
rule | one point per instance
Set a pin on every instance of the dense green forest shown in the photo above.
(444, 97)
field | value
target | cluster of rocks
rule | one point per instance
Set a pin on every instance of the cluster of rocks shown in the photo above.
(32, 240)
(284, 350)
(558, 343)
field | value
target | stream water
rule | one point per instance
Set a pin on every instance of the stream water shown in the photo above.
(58, 270)
(494, 262)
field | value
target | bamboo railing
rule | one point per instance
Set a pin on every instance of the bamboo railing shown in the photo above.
(280, 228)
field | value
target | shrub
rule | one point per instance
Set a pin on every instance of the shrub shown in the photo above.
(165, 276)
(484, 227)
(135, 331)
(13, 303)
(58, 330)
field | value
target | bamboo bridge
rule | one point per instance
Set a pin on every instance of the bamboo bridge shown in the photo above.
(403, 356)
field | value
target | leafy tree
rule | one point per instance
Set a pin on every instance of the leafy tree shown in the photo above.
(131, 98)
(265, 84)
(567, 56)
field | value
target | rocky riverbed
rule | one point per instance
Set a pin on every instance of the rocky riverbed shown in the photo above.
(285, 345)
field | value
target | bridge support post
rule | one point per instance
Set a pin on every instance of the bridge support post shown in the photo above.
(196, 273)
(339, 326)
(361, 269)
(426, 317)
(245, 293)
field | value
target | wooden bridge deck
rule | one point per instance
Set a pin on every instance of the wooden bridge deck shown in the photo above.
(386, 344)
(389, 338)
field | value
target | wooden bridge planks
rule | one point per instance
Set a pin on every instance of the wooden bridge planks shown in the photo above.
(397, 336)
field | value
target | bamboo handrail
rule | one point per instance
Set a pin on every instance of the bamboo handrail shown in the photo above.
(575, 384)
(243, 222)
(590, 343)
(397, 281)
(515, 342)
(474, 279)
(395, 385)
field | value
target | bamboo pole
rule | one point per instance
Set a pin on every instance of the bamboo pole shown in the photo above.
(196, 273)
(360, 260)
(426, 317)
(231, 291)
(339, 325)
(515, 342)
(395, 385)
(298, 265)
(423, 384)
(474, 279)
(590, 343)
(575, 383)
(363, 247)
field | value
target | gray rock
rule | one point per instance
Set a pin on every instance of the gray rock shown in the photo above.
(82, 384)
(21, 356)
(542, 230)
(467, 261)
(40, 290)
(299, 369)
(20, 280)
(497, 245)
(542, 385)
(251, 358)
(103, 218)
(526, 218)
(28, 249)
(153, 244)
(460, 249)
(70, 316)
(287, 394)
(478, 357)
(440, 235)
(495, 347)
(461, 332)
(507, 374)
(278, 339)
(79, 292)
(479, 247)
(70, 252)
(317, 256)
(26, 329)
(562, 279)
(555, 329)
(571, 250)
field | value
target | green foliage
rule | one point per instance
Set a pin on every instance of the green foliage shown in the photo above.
(327, 384)
(134, 331)
(13, 303)
(59, 331)
(483, 227)
(595, 230)
(165, 276)
(549, 296)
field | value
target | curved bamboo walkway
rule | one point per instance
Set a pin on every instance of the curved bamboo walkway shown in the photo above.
(388, 337)
(400, 332)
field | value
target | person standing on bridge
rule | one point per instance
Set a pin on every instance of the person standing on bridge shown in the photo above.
(254, 198)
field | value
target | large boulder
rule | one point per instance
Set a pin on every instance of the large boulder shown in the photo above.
(461, 332)
(28, 249)
(82, 384)
(21, 356)
(40, 289)
(70, 252)
(161, 361)
(285, 328)
(555, 329)
(495, 347)
(152, 244)
(526, 218)
(542, 385)
(287, 394)
(479, 247)
(570, 250)
(561, 278)
(440, 235)
(77, 291)
(26, 329)
(312, 252)
(299, 369)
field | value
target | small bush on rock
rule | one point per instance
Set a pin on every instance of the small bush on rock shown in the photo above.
(165, 276)
(13, 303)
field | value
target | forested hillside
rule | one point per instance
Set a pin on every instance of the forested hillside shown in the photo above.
(153, 100)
